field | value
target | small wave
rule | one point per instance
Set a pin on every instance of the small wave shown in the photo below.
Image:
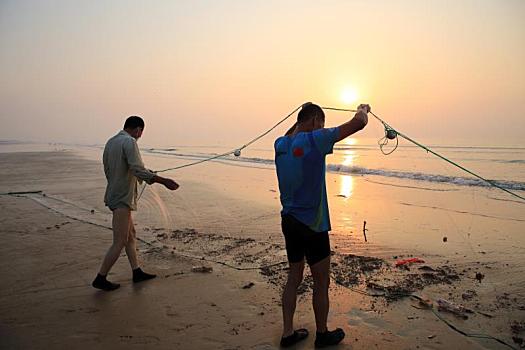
(226, 159)
(455, 180)
(356, 148)
(357, 170)
(171, 152)
(11, 142)
(495, 160)
(469, 149)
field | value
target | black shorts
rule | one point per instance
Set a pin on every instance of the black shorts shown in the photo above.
(301, 241)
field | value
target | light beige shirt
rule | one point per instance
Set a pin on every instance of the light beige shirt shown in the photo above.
(123, 166)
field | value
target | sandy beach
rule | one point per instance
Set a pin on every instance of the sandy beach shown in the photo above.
(227, 219)
(413, 109)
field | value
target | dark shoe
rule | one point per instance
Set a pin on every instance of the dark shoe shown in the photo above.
(101, 282)
(293, 339)
(139, 275)
(329, 338)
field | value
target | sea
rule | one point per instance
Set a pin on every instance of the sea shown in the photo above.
(503, 166)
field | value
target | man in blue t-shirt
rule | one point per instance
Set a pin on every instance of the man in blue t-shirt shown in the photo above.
(300, 163)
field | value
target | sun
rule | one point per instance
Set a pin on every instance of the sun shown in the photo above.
(349, 95)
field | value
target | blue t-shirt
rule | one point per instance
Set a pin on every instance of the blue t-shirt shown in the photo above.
(300, 163)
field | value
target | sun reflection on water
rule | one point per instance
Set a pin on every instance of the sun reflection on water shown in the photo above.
(349, 155)
(348, 158)
(347, 186)
(350, 141)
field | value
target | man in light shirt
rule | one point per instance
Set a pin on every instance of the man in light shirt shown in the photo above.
(124, 169)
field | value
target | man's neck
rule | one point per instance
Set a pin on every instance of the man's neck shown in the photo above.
(129, 132)
(302, 128)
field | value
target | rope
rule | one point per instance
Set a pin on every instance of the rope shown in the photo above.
(234, 150)
(395, 133)
(384, 141)
(390, 133)
(388, 127)
(470, 335)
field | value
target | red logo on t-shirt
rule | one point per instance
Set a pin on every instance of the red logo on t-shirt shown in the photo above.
(298, 152)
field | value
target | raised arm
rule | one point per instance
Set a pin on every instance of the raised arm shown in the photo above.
(358, 122)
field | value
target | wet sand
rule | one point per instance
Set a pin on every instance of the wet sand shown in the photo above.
(228, 220)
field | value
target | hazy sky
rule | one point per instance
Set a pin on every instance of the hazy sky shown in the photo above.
(220, 72)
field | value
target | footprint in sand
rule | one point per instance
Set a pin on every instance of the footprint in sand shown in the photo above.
(57, 226)
(139, 339)
(264, 346)
(183, 328)
(87, 310)
(359, 317)
(170, 312)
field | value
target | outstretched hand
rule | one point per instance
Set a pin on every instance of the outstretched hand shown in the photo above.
(364, 107)
(362, 113)
(170, 184)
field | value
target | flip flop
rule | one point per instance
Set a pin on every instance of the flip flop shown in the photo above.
(293, 339)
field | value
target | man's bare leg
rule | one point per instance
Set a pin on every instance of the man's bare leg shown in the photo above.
(131, 252)
(120, 223)
(292, 336)
(295, 277)
(321, 304)
(131, 246)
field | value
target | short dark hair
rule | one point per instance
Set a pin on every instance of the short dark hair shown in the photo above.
(310, 111)
(134, 122)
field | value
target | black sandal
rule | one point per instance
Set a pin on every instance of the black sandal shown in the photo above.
(293, 339)
(329, 338)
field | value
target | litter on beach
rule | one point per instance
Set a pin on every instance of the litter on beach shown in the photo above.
(409, 261)
(458, 310)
